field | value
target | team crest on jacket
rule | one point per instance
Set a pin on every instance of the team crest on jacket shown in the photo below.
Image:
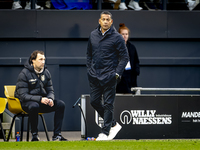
(43, 77)
(32, 81)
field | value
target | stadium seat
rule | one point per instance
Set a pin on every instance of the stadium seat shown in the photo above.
(14, 107)
(3, 102)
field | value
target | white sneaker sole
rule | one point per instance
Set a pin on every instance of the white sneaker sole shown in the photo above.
(18, 7)
(100, 138)
(117, 129)
(137, 9)
(112, 1)
(192, 7)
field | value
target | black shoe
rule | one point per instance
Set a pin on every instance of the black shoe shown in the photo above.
(35, 137)
(58, 138)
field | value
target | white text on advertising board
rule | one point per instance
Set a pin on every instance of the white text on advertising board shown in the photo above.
(144, 117)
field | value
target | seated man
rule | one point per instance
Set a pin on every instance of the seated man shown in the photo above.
(35, 91)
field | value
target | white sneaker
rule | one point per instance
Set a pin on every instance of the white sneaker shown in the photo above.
(102, 137)
(192, 4)
(122, 6)
(134, 5)
(16, 5)
(114, 130)
(48, 4)
(28, 6)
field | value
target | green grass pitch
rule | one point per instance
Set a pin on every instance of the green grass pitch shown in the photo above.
(182, 144)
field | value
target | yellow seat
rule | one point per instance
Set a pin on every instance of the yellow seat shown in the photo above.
(14, 104)
(15, 107)
(3, 102)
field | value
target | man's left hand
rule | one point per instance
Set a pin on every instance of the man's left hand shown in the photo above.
(51, 103)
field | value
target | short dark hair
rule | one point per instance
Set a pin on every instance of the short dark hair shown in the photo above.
(34, 55)
(106, 13)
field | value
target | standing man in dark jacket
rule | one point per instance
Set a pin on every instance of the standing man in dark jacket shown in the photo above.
(107, 57)
(35, 91)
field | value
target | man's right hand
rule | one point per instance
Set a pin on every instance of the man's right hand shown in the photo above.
(45, 100)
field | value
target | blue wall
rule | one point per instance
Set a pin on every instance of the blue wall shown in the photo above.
(167, 43)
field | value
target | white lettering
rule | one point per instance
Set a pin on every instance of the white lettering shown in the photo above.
(190, 115)
(147, 117)
(135, 113)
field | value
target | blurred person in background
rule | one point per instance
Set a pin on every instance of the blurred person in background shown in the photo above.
(132, 69)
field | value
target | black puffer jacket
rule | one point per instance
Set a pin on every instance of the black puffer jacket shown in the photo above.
(30, 87)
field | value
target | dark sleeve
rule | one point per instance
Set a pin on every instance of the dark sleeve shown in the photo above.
(22, 90)
(137, 63)
(123, 55)
(89, 54)
(133, 59)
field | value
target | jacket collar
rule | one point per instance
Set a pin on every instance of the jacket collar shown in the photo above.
(109, 31)
(104, 32)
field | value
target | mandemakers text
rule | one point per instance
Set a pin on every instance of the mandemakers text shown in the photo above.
(190, 115)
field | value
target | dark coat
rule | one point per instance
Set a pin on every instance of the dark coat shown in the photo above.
(106, 55)
(129, 77)
(30, 87)
(134, 60)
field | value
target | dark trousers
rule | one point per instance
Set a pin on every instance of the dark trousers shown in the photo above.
(33, 108)
(105, 106)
